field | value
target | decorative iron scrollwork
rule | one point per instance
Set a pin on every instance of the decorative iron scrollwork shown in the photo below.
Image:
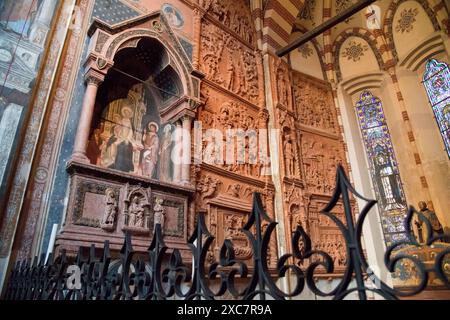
(165, 275)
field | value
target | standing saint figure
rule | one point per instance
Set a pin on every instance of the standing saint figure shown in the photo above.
(159, 213)
(290, 156)
(109, 215)
(165, 154)
(136, 213)
(432, 218)
(151, 149)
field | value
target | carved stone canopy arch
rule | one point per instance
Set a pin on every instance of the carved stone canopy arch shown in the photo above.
(107, 41)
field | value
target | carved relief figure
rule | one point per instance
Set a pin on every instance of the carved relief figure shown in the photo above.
(282, 87)
(223, 54)
(159, 213)
(207, 186)
(109, 215)
(235, 15)
(320, 158)
(136, 212)
(289, 154)
(314, 105)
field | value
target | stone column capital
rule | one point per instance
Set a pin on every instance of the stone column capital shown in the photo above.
(94, 77)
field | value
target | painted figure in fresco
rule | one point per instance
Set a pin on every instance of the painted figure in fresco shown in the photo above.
(120, 146)
(93, 150)
(165, 154)
(151, 150)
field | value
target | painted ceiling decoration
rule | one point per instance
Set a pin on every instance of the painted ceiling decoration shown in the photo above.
(406, 21)
(354, 50)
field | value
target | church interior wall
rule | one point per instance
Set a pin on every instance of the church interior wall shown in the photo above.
(228, 78)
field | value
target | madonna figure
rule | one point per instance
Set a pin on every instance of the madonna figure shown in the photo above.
(151, 149)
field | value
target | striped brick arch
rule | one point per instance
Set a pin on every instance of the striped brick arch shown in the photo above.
(369, 37)
(279, 17)
(388, 23)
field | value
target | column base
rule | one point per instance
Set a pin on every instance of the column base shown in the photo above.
(80, 157)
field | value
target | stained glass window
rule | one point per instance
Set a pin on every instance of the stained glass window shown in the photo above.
(437, 83)
(383, 166)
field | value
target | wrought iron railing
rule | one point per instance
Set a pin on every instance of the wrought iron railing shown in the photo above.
(160, 278)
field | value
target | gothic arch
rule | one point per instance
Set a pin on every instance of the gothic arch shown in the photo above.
(177, 58)
(360, 33)
(388, 23)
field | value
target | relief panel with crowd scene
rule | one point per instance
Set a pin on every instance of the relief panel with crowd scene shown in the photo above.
(237, 132)
(129, 136)
(234, 15)
(312, 149)
(229, 63)
(314, 104)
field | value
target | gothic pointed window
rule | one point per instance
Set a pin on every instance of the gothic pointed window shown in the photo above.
(437, 83)
(383, 166)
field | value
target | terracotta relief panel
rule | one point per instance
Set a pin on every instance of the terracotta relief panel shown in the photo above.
(234, 15)
(229, 63)
(227, 203)
(314, 104)
(90, 199)
(324, 233)
(236, 145)
(321, 155)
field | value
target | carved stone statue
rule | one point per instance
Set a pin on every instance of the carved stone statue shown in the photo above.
(109, 216)
(289, 155)
(136, 210)
(159, 213)
(432, 218)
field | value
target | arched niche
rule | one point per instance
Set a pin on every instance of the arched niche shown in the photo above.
(141, 92)
(128, 132)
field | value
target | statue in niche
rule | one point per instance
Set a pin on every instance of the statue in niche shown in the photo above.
(151, 150)
(165, 154)
(289, 155)
(159, 213)
(136, 212)
(282, 87)
(109, 216)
